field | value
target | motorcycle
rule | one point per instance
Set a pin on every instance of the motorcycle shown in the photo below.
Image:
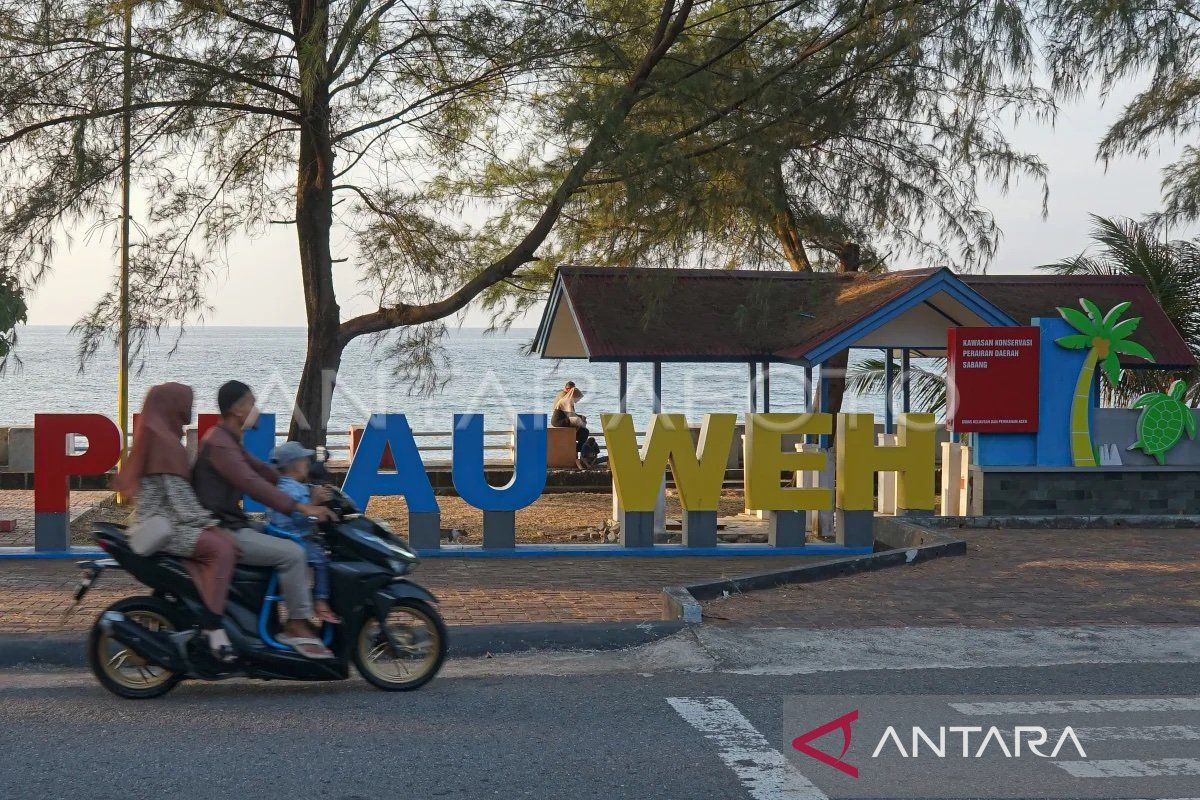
(142, 647)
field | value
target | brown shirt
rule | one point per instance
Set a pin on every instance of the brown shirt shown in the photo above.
(225, 471)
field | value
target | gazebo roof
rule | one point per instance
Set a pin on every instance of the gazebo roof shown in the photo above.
(613, 314)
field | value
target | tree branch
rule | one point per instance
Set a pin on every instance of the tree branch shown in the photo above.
(111, 112)
(665, 35)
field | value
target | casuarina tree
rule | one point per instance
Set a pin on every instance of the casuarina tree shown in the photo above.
(13, 312)
(353, 122)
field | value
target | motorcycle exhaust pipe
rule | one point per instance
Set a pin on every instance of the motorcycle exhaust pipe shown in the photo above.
(156, 647)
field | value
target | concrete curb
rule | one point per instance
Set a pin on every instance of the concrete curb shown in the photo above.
(906, 543)
(466, 641)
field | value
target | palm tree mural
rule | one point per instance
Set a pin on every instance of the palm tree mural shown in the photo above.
(1171, 270)
(1106, 338)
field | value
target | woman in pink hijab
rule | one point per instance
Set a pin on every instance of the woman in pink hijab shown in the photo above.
(158, 474)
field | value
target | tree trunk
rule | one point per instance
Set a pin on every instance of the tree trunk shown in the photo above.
(314, 220)
(849, 260)
(783, 220)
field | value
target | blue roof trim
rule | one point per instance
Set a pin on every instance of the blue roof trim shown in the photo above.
(941, 281)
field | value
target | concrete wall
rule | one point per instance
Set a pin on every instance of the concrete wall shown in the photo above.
(999, 492)
(1119, 426)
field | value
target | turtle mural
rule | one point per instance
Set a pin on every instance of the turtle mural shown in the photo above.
(1164, 419)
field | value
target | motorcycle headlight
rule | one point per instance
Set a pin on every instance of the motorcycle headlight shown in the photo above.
(396, 566)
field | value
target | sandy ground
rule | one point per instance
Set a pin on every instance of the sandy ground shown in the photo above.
(555, 517)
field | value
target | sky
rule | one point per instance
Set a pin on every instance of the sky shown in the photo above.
(262, 284)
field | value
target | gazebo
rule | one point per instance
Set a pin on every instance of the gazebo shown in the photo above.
(762, 318)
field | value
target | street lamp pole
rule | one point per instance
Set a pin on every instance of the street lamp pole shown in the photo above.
(126, 160)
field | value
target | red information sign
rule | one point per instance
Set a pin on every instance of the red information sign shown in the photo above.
(992, 379)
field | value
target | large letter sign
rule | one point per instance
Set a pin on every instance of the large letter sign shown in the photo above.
(529, 464)
(766, 461)
(858, 459)
(499, 503)
(638, 476)
(364, 477)
(53, 468)
(259, 441)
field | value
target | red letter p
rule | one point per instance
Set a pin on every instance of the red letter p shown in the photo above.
(53, 467)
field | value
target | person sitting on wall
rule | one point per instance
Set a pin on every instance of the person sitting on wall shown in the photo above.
(224, 471)
(564, 416)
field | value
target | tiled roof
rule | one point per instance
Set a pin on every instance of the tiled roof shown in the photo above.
(725, 315)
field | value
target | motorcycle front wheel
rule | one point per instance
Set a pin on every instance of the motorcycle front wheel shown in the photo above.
(119, 669)
(420, 638)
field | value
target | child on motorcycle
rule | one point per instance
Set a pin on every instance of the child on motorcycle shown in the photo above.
(293, 461)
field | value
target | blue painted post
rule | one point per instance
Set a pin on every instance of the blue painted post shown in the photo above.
(752, 389)
(905, 381)
(659, 520)
(766, 381)
(888, 411)
(623, 386)
(657, 405)
(808, 388)
(823, 398)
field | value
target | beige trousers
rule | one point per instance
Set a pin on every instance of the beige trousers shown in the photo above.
(261, 550)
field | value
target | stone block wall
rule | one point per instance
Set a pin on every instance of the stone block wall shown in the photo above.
(997, 491)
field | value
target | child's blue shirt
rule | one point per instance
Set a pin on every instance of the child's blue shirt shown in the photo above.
(296, 522)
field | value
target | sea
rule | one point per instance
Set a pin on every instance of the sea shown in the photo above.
(485, 372)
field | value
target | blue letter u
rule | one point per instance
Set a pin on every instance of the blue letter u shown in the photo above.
(529, 464)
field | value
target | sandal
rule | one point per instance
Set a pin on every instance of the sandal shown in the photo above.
(328, 616)
(307, 647)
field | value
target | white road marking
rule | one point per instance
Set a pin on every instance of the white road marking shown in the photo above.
(763, 771)
(1131, 768)
(1094, 706)
(1165, 733)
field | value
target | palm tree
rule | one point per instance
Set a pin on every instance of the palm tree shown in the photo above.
(1171, 270)
(1106, 338)
(928, 385)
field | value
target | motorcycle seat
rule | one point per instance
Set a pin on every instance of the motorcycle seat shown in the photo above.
(117, 537)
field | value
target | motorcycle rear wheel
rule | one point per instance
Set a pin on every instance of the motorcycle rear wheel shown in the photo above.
(119, 669)
(419, 630)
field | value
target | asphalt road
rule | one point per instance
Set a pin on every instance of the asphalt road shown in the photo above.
(617, 735)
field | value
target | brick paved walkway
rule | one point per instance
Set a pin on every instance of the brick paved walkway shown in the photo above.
(17, 505)
(1009, 577)
(34, 594)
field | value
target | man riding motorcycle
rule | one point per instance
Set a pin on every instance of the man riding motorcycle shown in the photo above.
(223, 473)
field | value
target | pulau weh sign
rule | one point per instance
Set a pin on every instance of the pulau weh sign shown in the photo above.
(1027, 395)
(698, 469)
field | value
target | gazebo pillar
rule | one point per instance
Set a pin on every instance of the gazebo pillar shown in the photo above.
(766, 383)
(752, 388)
(808, 388)
(905, 381)
(623, 386)
(888, 391)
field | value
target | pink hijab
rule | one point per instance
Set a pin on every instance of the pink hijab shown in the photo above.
(157, 449)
